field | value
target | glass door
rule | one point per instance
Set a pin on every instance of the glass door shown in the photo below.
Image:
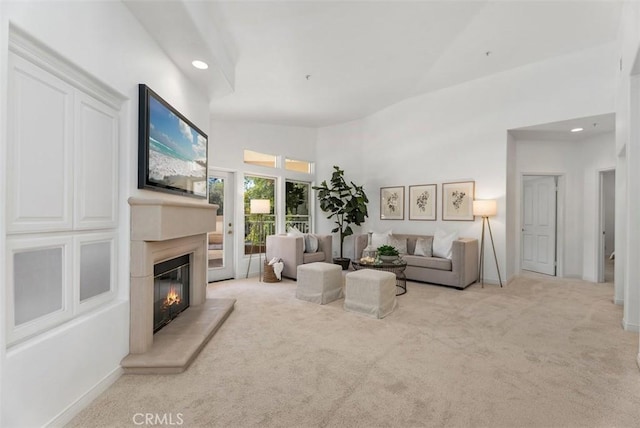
(220, 241)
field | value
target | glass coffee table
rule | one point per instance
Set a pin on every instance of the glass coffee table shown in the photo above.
(397, 267)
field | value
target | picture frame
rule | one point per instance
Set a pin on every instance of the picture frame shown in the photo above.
(423, 202)
(392, 203)
(457, 201)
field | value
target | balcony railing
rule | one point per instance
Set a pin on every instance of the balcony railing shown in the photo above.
(252, 235)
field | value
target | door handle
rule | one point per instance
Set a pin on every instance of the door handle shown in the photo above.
(230, 232)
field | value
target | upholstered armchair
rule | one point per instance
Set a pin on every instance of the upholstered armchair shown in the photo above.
(291, 250)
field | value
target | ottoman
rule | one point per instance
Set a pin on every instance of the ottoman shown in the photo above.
(370, 292)
(319, 282)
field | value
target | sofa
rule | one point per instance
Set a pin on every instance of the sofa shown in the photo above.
(459, 271)
(291, 249)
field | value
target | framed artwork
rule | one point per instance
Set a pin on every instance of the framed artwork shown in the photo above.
(423, 202)
(392, 203)
(457, 200)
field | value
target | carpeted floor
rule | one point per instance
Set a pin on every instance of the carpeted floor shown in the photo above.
(541, 352)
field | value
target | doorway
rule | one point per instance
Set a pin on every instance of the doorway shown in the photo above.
(539, 223)
(220, 242)
(607, 225)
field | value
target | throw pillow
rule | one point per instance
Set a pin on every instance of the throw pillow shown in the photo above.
(399, 243)
(293, 231)
(423, 247)
(442, 243)
(380, 239)
(310, 243)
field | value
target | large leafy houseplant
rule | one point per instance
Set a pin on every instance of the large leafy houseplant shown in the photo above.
(346, 204)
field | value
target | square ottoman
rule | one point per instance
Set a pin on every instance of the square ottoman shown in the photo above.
(370, 292)
(319, 282)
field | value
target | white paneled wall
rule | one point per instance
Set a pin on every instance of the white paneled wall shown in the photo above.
(62, 184)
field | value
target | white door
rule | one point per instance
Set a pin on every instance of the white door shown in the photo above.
(220, 250)
(539, 224)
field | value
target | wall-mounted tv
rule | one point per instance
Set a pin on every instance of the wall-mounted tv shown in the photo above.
(172, 151)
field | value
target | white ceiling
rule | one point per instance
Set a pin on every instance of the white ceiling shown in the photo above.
(361, 56)
(561, 131)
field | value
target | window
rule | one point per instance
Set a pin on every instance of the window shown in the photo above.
(259, 159)
(297, 165)
(297, 205)
(258, 226)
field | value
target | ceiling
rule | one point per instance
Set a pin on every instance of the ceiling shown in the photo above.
(316, 63)
(561, 131)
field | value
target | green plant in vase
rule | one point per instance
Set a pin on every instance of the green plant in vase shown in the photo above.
(388, 253)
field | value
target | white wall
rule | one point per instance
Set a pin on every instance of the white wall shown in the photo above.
(460, 133)
(52, 375)
(579, 163)
(227, 142)
(627, 273)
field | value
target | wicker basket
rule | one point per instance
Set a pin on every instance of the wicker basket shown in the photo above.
(269, 275)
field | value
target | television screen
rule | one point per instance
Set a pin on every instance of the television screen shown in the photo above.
(172, 151)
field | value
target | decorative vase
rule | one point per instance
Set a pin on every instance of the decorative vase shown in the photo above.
(369, 251)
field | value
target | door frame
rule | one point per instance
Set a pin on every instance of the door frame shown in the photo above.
(600, 241)
(560, 226)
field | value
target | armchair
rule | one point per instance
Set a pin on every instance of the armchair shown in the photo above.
(290, 250)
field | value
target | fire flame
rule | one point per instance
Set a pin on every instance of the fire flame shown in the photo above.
(173, 298)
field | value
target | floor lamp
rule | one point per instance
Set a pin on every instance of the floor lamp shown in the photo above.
(486, 209)
(259, 207)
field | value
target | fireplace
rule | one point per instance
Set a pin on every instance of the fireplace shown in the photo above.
(170, 290)
(174, 232)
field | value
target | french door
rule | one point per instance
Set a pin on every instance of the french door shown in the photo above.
(220, 241)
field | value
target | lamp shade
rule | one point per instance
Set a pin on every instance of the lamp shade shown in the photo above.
(260, 206)
(485, 208)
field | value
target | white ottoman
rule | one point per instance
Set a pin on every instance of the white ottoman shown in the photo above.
(370, 292)
(319, 282)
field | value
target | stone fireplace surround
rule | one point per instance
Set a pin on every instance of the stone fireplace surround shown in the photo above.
(162, 230)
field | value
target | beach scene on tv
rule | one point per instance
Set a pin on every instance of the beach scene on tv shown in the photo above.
(177, 152)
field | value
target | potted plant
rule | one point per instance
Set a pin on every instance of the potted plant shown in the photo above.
(346, 203)
(388, 253)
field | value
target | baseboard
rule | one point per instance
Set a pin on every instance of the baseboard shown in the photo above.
(638, 360)
(77, 406)
(619, 302)
(626, 326)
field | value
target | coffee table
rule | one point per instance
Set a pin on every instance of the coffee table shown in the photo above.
(396, 267)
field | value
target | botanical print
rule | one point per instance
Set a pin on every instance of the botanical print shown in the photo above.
(457, 197)
(392, 203)
(457, 200)
(422, 202)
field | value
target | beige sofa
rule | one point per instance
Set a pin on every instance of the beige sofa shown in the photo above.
(290, 250)
(460, 271)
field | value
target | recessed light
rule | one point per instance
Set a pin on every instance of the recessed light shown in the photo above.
(201, 65)
(577, 129)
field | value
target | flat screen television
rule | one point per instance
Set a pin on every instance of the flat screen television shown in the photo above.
(172, 151)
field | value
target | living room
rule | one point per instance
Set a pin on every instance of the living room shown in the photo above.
(456, 133)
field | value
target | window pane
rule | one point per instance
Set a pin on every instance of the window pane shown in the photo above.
(216, 238)
(260, 159)
(297, 165)
(258, 226)
(37, 283)
(95, 269)
(297, 204)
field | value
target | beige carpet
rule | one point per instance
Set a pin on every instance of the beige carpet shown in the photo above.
(540, 353)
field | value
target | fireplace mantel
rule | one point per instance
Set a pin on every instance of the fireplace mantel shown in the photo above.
(161, 230)
(160, 220)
